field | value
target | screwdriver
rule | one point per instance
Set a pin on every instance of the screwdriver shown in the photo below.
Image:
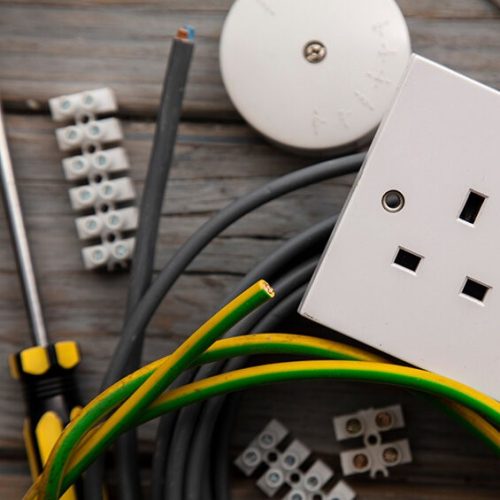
(46, 370)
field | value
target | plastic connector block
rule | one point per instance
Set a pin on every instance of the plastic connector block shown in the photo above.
(83, 104)
(94, 166)
(308, 485)
(108, 254)
(285, 464)
(109, 223)
(412, 265)
(375, 458)
(369, 423)
(87, 136)
(104, 194)
(286, 469)
(341, 491)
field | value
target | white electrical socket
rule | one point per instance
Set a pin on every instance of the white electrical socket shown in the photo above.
(413, 265)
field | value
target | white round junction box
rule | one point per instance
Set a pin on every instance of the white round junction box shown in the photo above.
(314, 75)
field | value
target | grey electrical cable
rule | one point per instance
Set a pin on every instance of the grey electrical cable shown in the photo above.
(146, 307)
(162, 444)
(219, 473)
(149, 218)
(180, 484)
(199, 453)
(195, 244)
(220, 445)
(280, 260)
(283, 286)
(169, 113)
(274, 264)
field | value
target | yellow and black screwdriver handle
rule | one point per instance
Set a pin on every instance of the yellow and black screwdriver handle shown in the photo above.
(52, 399)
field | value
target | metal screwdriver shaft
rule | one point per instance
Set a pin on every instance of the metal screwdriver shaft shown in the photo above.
(20, 242)
(45, 370)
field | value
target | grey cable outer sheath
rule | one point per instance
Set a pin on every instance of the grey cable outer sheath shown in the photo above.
(180, 484)
(220, 445)
(144, 253)
(195, 244)
(271, 266)
(199, 453)
(138, 320)
(163, 441)
(153, 194)
(219, 473)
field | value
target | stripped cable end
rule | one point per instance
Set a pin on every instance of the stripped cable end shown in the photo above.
(187, 32)
(267, 288)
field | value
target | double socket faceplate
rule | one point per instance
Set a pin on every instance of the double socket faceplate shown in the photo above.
(413, 265)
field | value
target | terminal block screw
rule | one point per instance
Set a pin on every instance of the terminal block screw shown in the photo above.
(360, 461)
(383, 419)
(267, 440)
(353, 426)
(390, 455)
(251, 457)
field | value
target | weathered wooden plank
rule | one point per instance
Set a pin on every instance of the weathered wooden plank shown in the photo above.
(89, 306)
(65, 48)
(15, 482)
(449, 444)
(214, 165)
(450, 9)
(384, 491)
(447, 460)
(52, 47)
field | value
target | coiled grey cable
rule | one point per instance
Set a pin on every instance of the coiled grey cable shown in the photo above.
(202, 237)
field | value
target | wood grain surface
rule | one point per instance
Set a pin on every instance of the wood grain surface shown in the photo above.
(52, 47)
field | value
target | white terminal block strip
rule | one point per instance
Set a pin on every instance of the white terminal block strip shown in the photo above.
(376, 457)
(103, 193)
(287, 465)
(412, 266)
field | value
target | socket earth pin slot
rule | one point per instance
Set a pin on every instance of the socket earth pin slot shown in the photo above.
(472, 206)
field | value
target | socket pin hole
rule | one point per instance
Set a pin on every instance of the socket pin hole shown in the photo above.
(372, 439)
(272, 456)
(471, 207)
(393, 201)
(294, 478)
(407, 260)
(474, 290)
